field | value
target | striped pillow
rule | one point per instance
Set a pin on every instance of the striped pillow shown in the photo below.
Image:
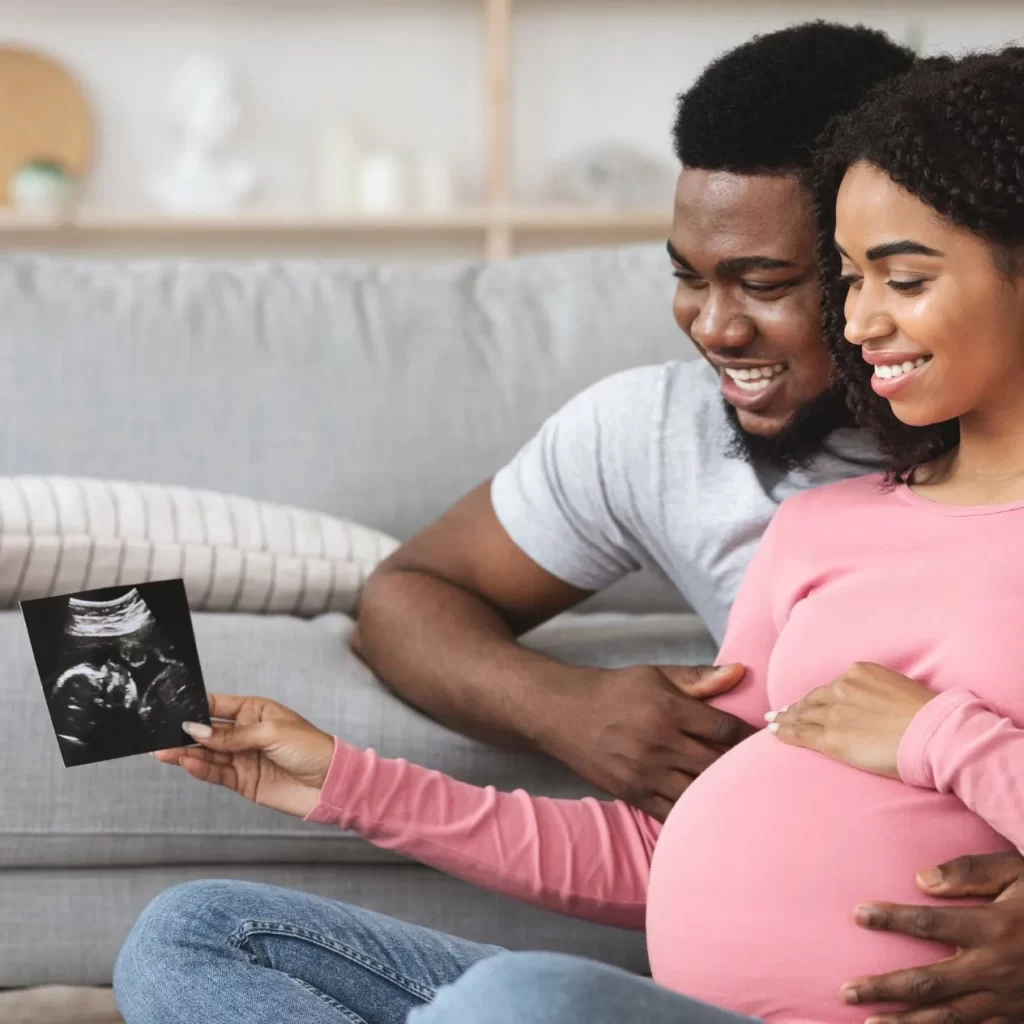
(59, 535)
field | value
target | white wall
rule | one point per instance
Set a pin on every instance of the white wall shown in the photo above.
(587, 70)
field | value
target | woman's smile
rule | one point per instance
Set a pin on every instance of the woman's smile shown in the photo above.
(895, 373)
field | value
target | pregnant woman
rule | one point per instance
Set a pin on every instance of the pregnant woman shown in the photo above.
(879, 624)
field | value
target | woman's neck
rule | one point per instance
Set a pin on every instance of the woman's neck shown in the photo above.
(986, 468)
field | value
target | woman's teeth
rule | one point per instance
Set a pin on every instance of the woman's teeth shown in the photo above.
(756, 379)
(898, 369)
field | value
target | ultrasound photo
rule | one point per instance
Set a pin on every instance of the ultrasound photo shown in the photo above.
(119, 669)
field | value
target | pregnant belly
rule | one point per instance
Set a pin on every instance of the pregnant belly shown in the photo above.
(761, 863)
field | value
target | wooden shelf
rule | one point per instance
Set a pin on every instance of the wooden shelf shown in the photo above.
(469, 220)
(498, 227)
(583, 219)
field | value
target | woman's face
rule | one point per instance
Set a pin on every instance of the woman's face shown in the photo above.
(941, 323)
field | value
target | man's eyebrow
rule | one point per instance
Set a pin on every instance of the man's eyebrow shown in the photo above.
(743, 264)
(904, 247)
(737, 265)
(676, 258)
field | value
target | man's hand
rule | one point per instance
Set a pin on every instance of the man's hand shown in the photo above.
(983, 983)
(643, 733)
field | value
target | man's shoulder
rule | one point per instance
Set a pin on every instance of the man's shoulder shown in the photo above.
(679, 390)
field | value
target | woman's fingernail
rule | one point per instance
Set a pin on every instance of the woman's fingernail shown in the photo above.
(769, 716)
(849, 995)
(197, 730)
(774, 727)
(785, 707)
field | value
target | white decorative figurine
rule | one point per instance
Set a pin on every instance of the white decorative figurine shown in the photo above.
(202, 104)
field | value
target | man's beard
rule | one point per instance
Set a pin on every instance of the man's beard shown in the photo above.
(798, 443)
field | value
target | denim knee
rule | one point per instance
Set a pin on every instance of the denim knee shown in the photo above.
(498, 988)
(170, 933)
(508, 973)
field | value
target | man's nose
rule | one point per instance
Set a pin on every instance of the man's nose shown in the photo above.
(720, 327)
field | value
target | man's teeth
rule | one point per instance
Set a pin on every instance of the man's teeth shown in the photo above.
(898, 369)
(756, 379)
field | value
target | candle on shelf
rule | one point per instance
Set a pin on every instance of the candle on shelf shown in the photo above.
(340, 169)
(382, 183)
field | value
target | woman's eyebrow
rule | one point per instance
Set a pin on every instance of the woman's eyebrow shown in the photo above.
(904, 247)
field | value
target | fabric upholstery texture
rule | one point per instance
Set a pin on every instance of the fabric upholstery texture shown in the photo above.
(63, 534)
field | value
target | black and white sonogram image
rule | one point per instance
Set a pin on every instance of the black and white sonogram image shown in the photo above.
(119, 669)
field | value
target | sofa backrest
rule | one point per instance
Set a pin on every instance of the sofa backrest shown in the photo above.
(376, 392)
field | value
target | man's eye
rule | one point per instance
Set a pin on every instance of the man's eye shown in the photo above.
(690, 280)
(765, 287)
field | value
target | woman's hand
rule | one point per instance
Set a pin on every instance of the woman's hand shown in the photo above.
(858, 719)
(265, 752)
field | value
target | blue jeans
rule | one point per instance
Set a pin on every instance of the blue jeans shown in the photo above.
(225, 952)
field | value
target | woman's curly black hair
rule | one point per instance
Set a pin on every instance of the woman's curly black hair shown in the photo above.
(951, 133)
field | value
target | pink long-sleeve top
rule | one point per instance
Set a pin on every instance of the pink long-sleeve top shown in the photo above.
(747, 893)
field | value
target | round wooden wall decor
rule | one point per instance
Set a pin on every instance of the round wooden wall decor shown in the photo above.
(44, 115)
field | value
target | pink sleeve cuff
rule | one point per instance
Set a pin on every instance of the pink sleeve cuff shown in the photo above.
(912, 759)
(328, 807)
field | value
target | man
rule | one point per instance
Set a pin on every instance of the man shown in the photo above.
(679, 468)
(637, 470)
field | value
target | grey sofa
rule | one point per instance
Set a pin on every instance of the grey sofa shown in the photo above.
(378, 393)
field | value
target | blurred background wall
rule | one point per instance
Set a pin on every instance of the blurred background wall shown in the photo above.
(413, 83)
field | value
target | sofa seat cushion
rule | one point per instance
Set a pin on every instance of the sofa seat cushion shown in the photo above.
(136, 811)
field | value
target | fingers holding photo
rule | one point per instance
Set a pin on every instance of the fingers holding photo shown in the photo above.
(260, 749)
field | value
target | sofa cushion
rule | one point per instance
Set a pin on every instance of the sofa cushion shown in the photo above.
(59, 535)
(66, 926)
(379, 394)
(136, 811)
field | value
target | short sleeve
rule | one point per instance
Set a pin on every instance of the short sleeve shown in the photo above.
(572, 496)
(752, 629)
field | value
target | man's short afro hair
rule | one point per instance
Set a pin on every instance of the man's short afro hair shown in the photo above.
(759, 108)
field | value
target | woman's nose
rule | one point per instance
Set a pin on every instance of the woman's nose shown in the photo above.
(865, 318)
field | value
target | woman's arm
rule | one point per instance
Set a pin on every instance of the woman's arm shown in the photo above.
(957, 744)
(585, 858)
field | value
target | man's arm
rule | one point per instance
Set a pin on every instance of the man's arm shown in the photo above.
(439, 622)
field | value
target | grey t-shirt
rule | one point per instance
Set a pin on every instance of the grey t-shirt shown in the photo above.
(634, 472)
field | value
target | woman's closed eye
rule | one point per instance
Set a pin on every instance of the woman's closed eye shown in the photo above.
(904, 287)
(907, 286)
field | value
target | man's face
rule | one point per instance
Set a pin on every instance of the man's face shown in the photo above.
(744, 251)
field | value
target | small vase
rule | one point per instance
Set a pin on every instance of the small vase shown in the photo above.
(43, 188)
